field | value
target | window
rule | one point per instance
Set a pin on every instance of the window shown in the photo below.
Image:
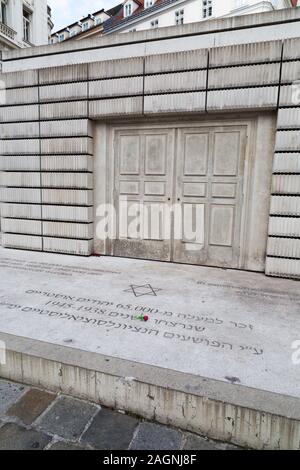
(3, 12)
(240, 3)
(149, 3)
(128, 9)
(179, 17)
(207, 8)
(61, 37)
(154, 23)
(73, 33)
(26, 25)
(85, 26)
(98, 20)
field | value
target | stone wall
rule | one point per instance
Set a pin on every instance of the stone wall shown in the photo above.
(47, 135)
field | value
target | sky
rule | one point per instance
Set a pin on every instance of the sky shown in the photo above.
(65, 12)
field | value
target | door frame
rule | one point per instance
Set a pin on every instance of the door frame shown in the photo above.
(250, 122)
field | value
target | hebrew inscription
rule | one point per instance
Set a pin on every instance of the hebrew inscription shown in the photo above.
(191, 329)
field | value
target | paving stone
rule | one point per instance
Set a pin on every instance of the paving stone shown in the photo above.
(67, 417)
(9, 394)
(31, 405)
(155, 437)
(110, 430)
(14, 437)
(66, 446)
(199, 443)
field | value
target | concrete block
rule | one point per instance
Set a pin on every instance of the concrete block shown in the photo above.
(287, 140)
(31, 406)
(22, 180)
(289, 96)
(22, 226)
(25, 129)
(288, 118)
(174, 103)
(291, 49)
(28, 95)
(67, 180)
(74, 247)
(284, 247)
(247, 98)
(184, 81)
(246, 75)
(153, 436)
(116, 68)
(73, 109)
(19, 147)
(64, 92)
(19, 113)
(25, 195)
(116, 107)
(19, 80)
(285, 205)
(78, 197)
(281, 267)
(290, 72)
(68, 230)
(186, 60)
(68, 213)
(24, 242)
(74, 127)
(111, 430)
(80, 145)
(67, 417)
(284, 227)
(65, 446)
(21, 211)
(286, 163)
(20, 162)
(66, 162)
(14, 437)
(286, 184)
(67, 73)
(116, 87)
(9, 394)
(245, 53)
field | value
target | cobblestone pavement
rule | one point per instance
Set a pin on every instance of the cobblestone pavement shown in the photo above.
(33, 419)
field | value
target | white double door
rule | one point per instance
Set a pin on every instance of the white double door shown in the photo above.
(178, 194)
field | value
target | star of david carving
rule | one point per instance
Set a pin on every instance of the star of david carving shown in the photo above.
(140, 291)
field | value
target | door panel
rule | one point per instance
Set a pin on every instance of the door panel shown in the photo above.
(215, 191)
(143, 189)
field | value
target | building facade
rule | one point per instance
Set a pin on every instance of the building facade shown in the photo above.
(91, 25)
(24, 23)
(200, 120)
(139, 15)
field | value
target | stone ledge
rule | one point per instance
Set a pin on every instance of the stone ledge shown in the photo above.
(158, 393)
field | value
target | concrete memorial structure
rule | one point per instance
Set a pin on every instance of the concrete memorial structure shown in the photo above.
(96, 123)
(58, 130)
(202, 119)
